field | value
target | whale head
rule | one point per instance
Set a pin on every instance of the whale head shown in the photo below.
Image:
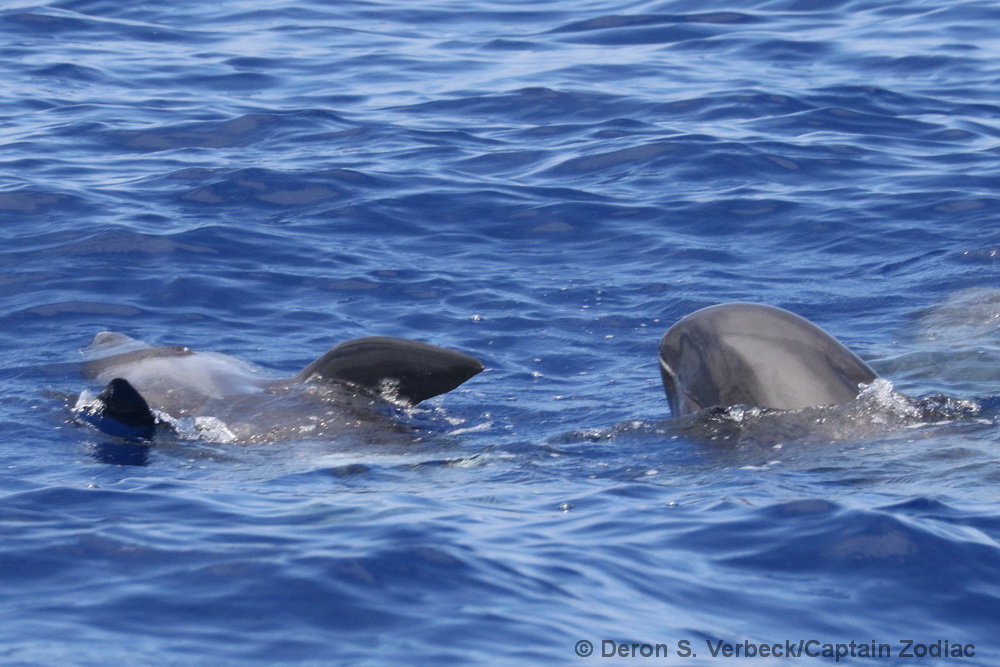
(757, 356)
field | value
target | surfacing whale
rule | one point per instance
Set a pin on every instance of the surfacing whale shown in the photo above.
(218, 397)
(756, 355)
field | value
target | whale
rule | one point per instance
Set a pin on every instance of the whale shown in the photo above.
(756, 355)
(150, 390)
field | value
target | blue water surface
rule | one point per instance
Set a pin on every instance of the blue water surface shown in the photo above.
(545, 185)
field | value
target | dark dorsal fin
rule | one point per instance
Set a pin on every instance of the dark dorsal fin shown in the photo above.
(410, 370)
(123, 412)
(123, 402)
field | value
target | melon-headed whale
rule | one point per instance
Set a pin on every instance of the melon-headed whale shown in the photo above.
(219, 397)
(756, 355)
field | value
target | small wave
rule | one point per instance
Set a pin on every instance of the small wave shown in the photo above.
(879, 411)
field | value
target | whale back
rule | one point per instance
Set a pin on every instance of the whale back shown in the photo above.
(151, 389)
(178, 379)
(755, 355)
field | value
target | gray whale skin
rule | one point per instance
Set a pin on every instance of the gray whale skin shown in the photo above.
(757, 356)
(149, 386)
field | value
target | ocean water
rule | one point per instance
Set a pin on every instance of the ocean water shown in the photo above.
(547, 186)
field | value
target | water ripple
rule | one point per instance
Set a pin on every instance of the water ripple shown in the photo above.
(548, 186)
